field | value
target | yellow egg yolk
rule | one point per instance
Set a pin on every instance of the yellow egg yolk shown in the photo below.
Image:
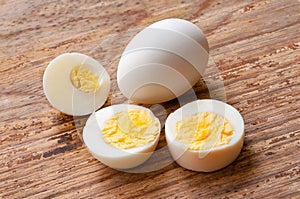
(203, 131)
(130, 129)
(84, 80)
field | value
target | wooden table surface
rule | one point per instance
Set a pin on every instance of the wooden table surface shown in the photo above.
(255, 47)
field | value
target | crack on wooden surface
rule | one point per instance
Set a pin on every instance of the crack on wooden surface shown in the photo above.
(63, 149)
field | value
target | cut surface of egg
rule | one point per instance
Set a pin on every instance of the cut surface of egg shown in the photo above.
(122, 136)
(203, 130)
(205, 135)
(76, 84)
(173, 45)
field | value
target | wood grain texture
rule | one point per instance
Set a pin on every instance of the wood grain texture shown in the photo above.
(254, 45)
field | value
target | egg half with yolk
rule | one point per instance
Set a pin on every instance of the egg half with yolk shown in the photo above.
(205, 135)
(122, 136)
(76, 84)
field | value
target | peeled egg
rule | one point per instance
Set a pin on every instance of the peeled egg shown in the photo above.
(162, 61)
(122, 136)
(76, 84)
(209, 155)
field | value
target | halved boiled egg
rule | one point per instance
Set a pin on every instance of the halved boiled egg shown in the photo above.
(76, 84)
(122, 136)
(205, 135)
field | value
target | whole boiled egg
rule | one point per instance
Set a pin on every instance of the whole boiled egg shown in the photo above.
(122, 136)
(205, 135)
(162, 61)
(76, 84)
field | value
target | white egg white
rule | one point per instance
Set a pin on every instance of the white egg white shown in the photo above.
(184, 27)
(108, 154)
(207, 160)
(157, 87)
(174, 42)
(164, 43)
(60, 91)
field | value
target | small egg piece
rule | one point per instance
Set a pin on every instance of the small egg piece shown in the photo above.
(76, 84)
(122, 136)
(205, 135)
